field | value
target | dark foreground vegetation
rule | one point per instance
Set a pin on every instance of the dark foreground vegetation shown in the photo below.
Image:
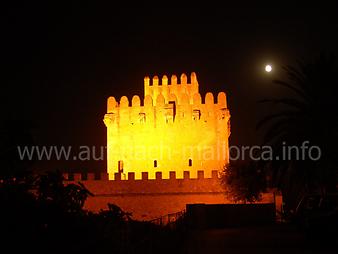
(42, 215)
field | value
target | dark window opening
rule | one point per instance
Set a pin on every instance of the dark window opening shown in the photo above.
(222, 113)
(142, 117)
(120, 166)
(196, 114)
(155, 163)
(190, 162)
(173, 103)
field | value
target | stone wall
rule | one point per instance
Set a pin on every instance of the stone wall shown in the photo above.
(149, 199)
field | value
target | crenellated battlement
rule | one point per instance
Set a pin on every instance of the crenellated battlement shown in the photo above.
(145, 186)
(167, 103)
(159, 94)
(172, 90)
(82, 177)
(174, 110)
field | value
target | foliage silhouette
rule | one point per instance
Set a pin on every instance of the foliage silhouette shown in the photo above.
(308, 113)
(243, 181)
(41, 214)
(70, 197)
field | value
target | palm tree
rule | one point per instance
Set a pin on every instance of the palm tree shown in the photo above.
(309, 113)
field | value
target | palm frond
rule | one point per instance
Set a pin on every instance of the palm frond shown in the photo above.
(276, 130)
(298, 77)
(299, 104)
(297, 90)
(271, 117)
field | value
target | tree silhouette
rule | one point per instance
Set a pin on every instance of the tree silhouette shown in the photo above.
(243, 181)
(309, 113)
(69, 198)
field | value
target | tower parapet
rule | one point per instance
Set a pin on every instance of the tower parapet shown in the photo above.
(153, 87)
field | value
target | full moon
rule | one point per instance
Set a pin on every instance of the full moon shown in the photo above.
(268, 68)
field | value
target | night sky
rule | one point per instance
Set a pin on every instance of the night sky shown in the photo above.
(60, 63)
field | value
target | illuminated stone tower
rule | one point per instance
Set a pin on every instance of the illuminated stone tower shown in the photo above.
(172, 130)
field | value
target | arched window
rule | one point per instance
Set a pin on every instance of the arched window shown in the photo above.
(190, 162)
(155, 163)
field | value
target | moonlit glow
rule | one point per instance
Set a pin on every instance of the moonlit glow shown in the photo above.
(268, 68)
